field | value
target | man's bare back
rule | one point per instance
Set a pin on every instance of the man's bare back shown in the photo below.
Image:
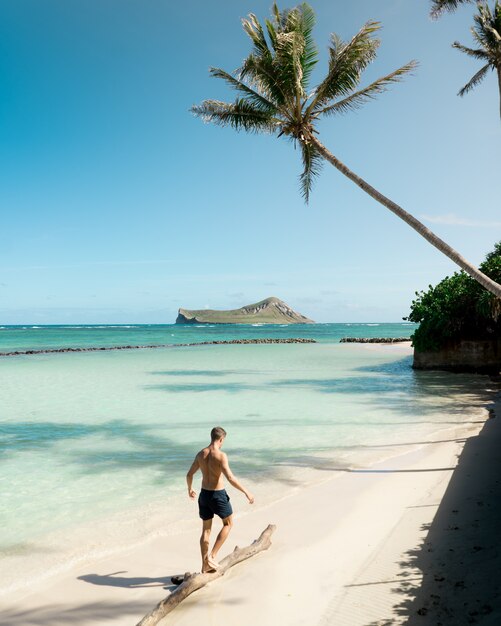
(213, 463)
(210, 461)
(213, 499)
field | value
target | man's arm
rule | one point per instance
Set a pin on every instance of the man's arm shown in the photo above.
(233, 481)
(195, 466)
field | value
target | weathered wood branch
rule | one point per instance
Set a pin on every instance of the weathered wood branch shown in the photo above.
(192, 582)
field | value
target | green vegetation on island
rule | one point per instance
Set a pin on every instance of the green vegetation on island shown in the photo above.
(269, 311)
(458, 309)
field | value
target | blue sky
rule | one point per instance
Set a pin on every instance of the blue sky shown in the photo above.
(119, 206)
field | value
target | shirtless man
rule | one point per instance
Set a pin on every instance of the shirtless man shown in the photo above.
(213, 497)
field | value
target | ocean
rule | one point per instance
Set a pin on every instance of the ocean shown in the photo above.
(94, 446)
(28, 337)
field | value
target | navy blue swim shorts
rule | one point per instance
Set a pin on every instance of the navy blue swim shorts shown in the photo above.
(210, 502)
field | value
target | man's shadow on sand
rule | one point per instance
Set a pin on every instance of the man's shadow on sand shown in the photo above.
(112, 580)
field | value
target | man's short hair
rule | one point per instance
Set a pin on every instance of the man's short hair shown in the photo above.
(217, 433)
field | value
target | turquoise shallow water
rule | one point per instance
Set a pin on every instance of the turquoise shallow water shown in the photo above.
(91, 437)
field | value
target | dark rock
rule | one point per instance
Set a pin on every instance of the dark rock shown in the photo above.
(374, 339)
(480, 357)
(165, 345)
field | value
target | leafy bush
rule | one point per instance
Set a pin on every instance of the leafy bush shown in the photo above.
(458, 308)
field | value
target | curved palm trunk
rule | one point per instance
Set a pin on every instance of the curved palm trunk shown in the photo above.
(499, 83)
(425, 232)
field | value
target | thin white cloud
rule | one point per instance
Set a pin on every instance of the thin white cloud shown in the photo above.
(456, 220)
(88, 264)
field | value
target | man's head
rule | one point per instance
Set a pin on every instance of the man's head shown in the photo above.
(217, 435)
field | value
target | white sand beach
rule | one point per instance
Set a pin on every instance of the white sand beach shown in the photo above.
(347, 550)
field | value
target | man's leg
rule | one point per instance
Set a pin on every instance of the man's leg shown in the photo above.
(223, 534)
(204, 543)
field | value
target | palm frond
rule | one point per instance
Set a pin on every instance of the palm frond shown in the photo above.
(255, 31)
(258, 68)
(495, 31)
(295, 51)
(484, 38)
(292, 40)
(476, 54)
(287, 62)
(487, 29)
(309, 57)
(240, 115)
(497, 12)
(438, 7)
(280, 17)
(475, 80)
(486, 32)
(312, 165)
(258, 100)
(346, 63)
(358, 98)
(272, 33)
(261, 73)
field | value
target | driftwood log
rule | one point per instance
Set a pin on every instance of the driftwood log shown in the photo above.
(192, 582)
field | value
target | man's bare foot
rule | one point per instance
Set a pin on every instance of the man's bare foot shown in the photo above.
(213, 564)
(208, 566)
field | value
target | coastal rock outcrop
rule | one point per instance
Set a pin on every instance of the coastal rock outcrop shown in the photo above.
(374, 339)
(464, 355)
(269, 311)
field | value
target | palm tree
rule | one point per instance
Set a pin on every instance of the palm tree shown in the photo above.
(487, 34)
(273, 97)
(440, 6)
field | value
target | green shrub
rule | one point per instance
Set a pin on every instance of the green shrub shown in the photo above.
(458, 308)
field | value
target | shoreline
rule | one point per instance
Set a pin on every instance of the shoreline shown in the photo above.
(380, 493)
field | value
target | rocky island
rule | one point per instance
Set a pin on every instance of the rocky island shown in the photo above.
(269, 311)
